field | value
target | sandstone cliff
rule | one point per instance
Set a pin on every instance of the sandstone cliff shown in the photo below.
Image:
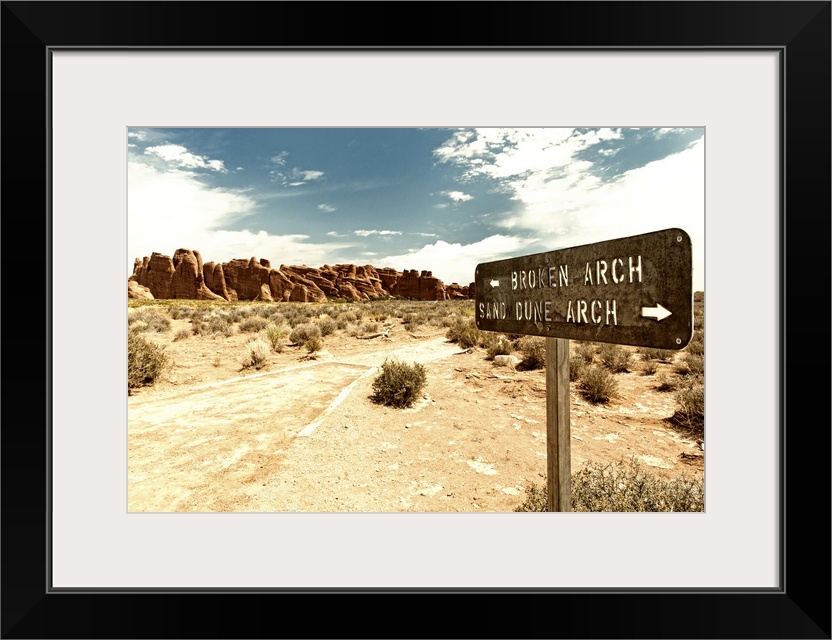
(186, 277)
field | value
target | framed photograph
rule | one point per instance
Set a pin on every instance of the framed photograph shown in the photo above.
(81, 78)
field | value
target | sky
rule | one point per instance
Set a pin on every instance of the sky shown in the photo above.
(441, 200)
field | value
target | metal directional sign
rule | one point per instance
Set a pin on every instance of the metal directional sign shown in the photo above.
(636, 291)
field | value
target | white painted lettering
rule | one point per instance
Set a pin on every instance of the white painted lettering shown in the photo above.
(611, 311)
(481, 310)
(564, 275)
(546, 314)
(570, 313)
(588, 275)
(513, 280)
(596, 319)
(582, 310)
(615, 277)
(601, 265)
(551, 279)
(636, 268)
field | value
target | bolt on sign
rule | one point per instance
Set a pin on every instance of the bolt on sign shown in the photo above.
(636, 291)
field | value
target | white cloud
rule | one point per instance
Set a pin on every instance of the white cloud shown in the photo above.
(375, 232)
(457, 262)
(179, 156)
(170, 210)
(566, 205)
(296, 177)
(327, 208)
(280, 158)
(457, 196)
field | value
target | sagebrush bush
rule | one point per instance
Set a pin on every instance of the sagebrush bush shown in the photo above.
(577, 369)
(691, 411)
(399, 384)
(533, 349)
(497, 344)
(327, 325)
(257, 353)
(615, 357)
(302, 332)
(275, 334)
(696, 346)
(313, 344)
(145, 360)
(148, 319)
(464, 332)
(253, 324)
(584, 351)
(649, 367)
(182, 334)
(598, 385)
(624, 486)
(649, 353)
(665, 384)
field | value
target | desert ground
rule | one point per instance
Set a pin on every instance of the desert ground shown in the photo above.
(300, 433)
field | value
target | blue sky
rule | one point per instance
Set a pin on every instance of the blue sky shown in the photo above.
(409, 198)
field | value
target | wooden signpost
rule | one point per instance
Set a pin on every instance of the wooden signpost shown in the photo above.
(635, 291)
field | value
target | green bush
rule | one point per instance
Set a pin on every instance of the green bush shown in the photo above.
(399, 384)
(145, 361)
(625, 486)
(533, 349)
(598, 385)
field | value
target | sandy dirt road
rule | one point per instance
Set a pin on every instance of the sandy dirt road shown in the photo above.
(303, 435)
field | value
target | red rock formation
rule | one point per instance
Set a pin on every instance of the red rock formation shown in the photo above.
(188, 282)
(185, 276)
(136, 291)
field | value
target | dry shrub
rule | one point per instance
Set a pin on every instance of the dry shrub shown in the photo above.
(302, 332)
(275, 334)
(691, 412)
(615, 358)
(598, 385)
(533, 349)
(584, 351)
(257, 353)
(253, 324)
(327, 325)
(624, 486)
(464, 332)
(496, 344)
(399, 384)
(148, 319)
(145, 360)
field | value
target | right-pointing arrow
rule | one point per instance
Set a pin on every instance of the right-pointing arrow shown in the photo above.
(658, 312)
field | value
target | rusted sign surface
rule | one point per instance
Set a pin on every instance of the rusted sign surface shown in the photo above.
(635, 291)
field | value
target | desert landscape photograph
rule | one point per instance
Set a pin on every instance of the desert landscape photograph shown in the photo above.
(307, 330)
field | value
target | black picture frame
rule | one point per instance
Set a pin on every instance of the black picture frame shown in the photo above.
(800, 608)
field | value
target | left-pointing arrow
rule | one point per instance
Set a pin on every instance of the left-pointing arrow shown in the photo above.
(658, 312)
(494, 283)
